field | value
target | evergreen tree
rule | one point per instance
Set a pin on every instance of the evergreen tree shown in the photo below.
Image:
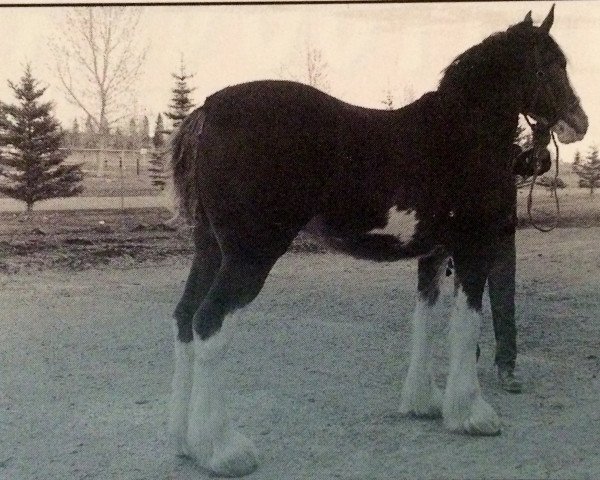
(30, 137)
(576, 160)
(132, 128)
(589, 171)
(388, 101)
(159, 131)
(524, 139)
(89, 125)
(145, 132)
(181, 102)
(157, 160)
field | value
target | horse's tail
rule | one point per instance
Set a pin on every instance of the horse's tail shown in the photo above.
(185, 151)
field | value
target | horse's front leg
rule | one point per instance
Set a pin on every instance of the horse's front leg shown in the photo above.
(464, 408)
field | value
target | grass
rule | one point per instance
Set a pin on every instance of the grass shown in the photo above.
(577, 208)
(86, 238)
(112, 186)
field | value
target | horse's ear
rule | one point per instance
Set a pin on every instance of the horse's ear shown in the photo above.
(549, 20)
(528, 20)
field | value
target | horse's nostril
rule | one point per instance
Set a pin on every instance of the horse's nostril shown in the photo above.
(578, 119)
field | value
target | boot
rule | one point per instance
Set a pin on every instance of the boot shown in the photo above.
(508, 381)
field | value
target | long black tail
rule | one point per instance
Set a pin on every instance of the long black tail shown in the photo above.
(185, 151)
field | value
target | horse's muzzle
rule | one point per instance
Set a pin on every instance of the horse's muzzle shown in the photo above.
(573, 126)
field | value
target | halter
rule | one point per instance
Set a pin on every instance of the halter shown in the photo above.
(550, 98)
(544, 88)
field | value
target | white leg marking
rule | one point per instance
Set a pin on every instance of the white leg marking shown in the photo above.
(464, 408)
(212, 441)
(420, 396)
(180, 396)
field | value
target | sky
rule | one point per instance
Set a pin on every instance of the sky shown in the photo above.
(369, 48)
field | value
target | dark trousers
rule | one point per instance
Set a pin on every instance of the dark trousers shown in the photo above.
(501, 284)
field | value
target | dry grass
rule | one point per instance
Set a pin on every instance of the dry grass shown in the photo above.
(83, 239)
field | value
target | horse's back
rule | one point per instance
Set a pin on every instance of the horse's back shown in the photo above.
(267, 152)
(239, 104)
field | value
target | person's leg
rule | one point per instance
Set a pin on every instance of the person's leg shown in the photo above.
(501, 281)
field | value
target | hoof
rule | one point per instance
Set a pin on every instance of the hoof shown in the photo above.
(236, 459)
(509, 382)
(426, 404)
(234, 455)
(179, 445)
(482, 421)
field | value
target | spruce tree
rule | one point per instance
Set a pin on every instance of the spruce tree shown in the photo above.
(524, 139)
(388, 101)
(133, 131)
(31, 164)
(181, 102)
(576, 160)
(156, 168)
(589, 171)
(145, 131)
(89, 125)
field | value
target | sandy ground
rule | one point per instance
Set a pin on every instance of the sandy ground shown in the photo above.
(314, 374)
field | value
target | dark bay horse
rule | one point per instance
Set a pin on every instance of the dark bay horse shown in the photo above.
(260, 161)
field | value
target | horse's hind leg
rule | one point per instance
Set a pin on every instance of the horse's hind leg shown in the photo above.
(420, 396)
(211, 438)
(464, 408)
(206, 263)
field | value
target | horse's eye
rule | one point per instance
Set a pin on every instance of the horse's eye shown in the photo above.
(540, 73)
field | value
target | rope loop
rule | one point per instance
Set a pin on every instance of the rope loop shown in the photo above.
(553, 187)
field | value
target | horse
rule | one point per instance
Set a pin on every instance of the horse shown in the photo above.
(260, 161)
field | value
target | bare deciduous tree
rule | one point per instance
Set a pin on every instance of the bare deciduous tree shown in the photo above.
(409, 94)
(98, 60)
(388, 101)
(392, 99)
(315, 74)
(316, 69)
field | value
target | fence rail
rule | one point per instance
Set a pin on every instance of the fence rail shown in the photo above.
(102, 161)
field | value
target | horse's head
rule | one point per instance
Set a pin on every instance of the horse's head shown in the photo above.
(548, 95)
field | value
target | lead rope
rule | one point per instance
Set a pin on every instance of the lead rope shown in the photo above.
(554, 188)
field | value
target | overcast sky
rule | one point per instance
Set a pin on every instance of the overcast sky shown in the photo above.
(369, 49)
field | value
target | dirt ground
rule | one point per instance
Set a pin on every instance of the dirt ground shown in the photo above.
(314, 374)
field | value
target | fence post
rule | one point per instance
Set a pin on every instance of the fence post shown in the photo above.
(122, 160)
(100, 160)
(142, 156)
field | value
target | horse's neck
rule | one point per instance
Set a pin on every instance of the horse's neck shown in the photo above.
(488, 119)
(443, 136)
(475, 126)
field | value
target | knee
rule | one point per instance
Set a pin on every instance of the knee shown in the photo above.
(183, 315)
(208, 319)
(429, 295)
(184, 329)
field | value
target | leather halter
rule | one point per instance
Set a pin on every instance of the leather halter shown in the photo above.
(540, 131)
(548, 95)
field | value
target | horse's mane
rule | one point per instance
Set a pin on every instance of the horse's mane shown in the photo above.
(496, 59)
